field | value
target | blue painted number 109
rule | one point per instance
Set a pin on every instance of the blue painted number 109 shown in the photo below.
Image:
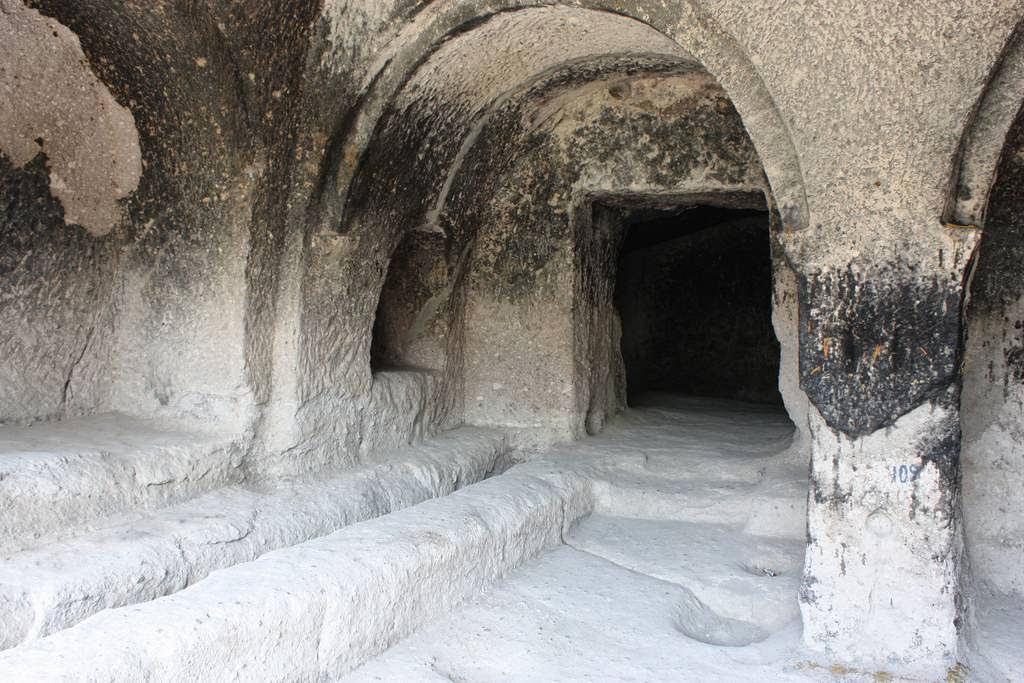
(904, 473)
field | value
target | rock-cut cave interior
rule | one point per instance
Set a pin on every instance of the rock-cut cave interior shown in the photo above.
(511, 340)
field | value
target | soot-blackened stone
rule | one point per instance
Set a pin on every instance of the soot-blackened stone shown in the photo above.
(873, 347)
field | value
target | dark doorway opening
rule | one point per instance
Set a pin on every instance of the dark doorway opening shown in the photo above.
(694, 293)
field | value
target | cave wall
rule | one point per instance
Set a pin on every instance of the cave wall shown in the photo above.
(600, 369)
(155, 298)
(56, 308)
(786, 324)
(127, 216)
(211, 156)
(69, 155)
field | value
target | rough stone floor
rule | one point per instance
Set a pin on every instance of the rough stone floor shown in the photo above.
(688, 570)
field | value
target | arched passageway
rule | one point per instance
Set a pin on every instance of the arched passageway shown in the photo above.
(992, 409)
(531, 185)
(495, 147)
(986, 198)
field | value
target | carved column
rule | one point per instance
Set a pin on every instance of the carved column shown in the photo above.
(880, 349)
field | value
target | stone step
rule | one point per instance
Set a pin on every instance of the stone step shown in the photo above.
(316, 610)
(58, 477)
(775, 507)
(138, 557)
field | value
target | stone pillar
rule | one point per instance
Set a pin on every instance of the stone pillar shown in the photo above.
(882, 577)
(879, 360)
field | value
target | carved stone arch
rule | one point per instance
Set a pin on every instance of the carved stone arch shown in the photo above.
(704, 41)
(981, 145)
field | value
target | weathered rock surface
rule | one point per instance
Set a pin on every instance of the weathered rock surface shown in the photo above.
(133, 558)
(277, 237)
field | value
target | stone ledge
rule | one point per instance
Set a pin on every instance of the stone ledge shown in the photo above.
(317, 610)
(59, 477)
(141, 557)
